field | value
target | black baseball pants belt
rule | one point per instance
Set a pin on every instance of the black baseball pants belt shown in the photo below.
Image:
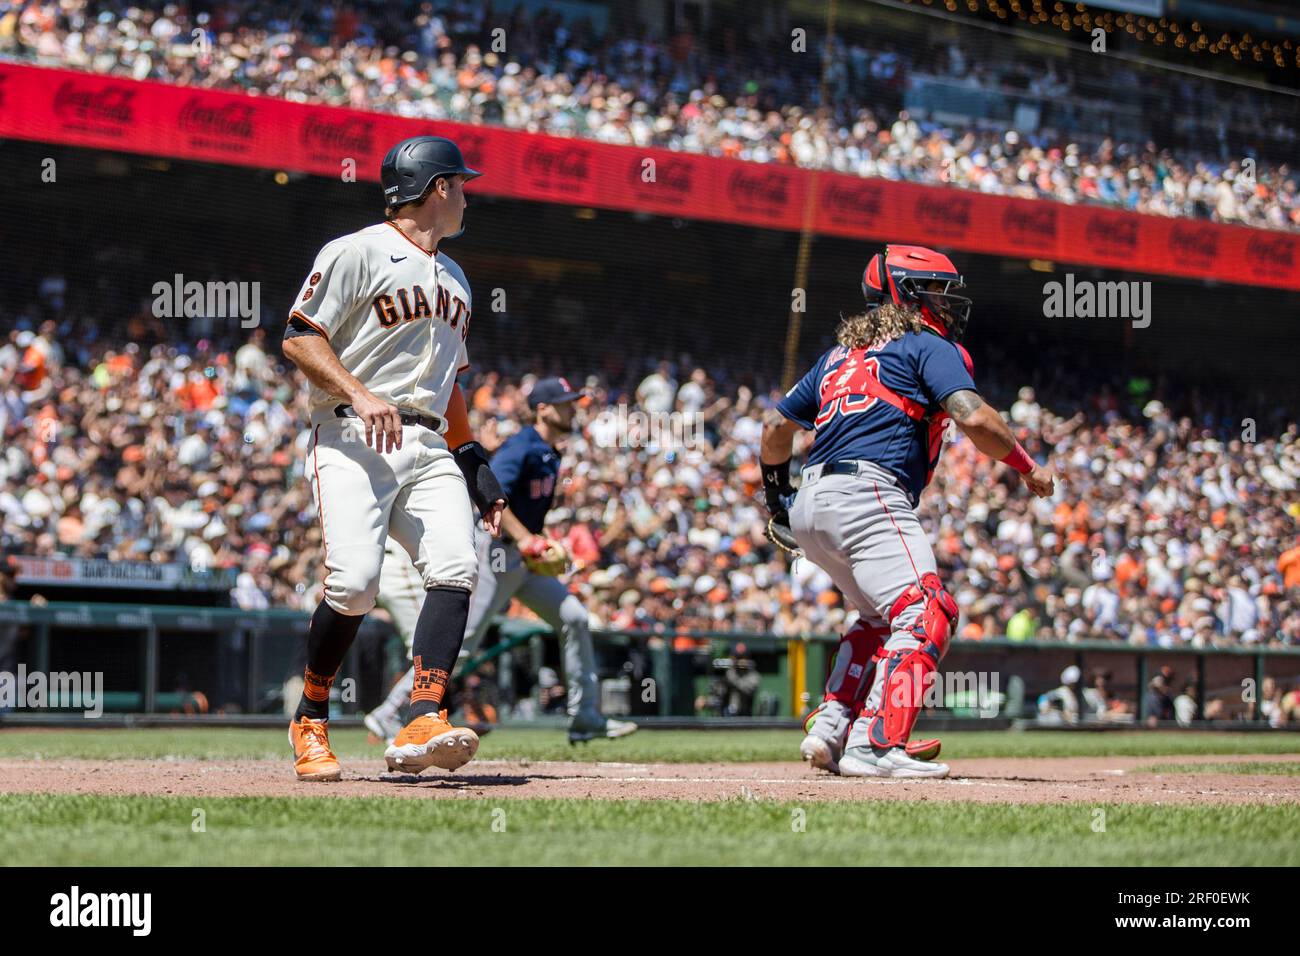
(432, 422)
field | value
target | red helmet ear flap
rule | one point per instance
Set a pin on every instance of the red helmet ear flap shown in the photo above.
(873, 281)
(887, 280)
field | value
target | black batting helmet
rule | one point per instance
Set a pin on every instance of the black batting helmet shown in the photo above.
(413, 165)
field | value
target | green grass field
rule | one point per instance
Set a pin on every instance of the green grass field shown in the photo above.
(1248, 767)
(84, 830)
(142, 831)
(660, 746)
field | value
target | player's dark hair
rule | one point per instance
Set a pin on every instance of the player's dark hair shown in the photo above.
(391, 212)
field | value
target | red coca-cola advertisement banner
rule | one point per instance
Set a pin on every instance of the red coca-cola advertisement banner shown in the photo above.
(83, 109)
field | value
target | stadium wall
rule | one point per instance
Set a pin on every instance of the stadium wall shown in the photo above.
(718, 291)
(78, 109)
(196, 661)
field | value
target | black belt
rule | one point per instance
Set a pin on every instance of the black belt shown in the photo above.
(431, 422)
(847, 467)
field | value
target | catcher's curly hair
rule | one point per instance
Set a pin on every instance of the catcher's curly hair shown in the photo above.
(877, 326)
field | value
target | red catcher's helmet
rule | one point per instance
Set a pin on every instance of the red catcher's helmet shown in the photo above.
(873, 281)
(904, 274)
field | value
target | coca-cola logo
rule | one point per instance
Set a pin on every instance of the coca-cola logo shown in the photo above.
(472, 147)
(1277, 253)
(944, 213)
(1030, 221)
(76, 101)
(849, 200)
(672, 176)
(1118, 233)
(544, 161)
(346, 135)
(1194, 242)
(768, 190)
(231, 119)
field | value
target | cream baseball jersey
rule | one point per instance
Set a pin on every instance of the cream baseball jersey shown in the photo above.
(396, 317)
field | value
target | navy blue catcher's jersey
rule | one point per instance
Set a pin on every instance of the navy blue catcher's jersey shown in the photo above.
(851, 423)
(528, 470)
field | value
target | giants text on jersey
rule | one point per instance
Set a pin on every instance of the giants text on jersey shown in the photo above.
(396, 317)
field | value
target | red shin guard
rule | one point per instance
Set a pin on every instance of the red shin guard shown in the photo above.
(908, 673)
(855, 663)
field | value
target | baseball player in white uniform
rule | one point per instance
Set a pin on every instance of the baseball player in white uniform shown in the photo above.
(528, 467)
(379, 330)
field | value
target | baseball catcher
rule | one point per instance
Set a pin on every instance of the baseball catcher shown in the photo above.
(879, 402)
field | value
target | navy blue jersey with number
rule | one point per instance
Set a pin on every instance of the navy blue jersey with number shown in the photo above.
(528, 470)
(851, 423)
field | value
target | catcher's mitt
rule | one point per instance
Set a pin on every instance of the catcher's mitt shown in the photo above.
(779, 533)
(545, 556)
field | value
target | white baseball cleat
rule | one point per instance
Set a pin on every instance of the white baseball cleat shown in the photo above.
(819, 754)
(826, 728)
(384, 724)
(589, 729)
(873, 762)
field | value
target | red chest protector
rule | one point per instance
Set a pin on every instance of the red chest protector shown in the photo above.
(859, 377)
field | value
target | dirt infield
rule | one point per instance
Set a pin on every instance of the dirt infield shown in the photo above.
(992, 780)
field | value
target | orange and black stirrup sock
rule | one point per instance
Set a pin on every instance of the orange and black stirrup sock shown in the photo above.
(328, 638)
(439, 632)
(315, 702)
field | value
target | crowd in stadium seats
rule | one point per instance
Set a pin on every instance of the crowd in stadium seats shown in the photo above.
(1162, 531)
(747, 101)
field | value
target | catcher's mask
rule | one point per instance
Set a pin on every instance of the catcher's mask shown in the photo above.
(921, 278)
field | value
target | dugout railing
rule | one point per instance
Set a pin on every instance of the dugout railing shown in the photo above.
(185, 660)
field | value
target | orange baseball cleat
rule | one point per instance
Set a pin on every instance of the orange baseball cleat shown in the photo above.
(431, 741)
(312, 757)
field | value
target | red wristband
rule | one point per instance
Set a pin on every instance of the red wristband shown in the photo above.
(1019, 460)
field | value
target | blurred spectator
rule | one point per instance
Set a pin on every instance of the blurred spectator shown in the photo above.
(550, 692)
(1161, 534)
(1289, 706)
(657, 391)
(477, 700)
(1270, 703)
(1289, 565)
(1062, 704)
(1238, 611)
(742, 681)
(1100, 704)
(1160, 706)
(1022, 625)
(1185, 705)
(8, 631)
(739, 100)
